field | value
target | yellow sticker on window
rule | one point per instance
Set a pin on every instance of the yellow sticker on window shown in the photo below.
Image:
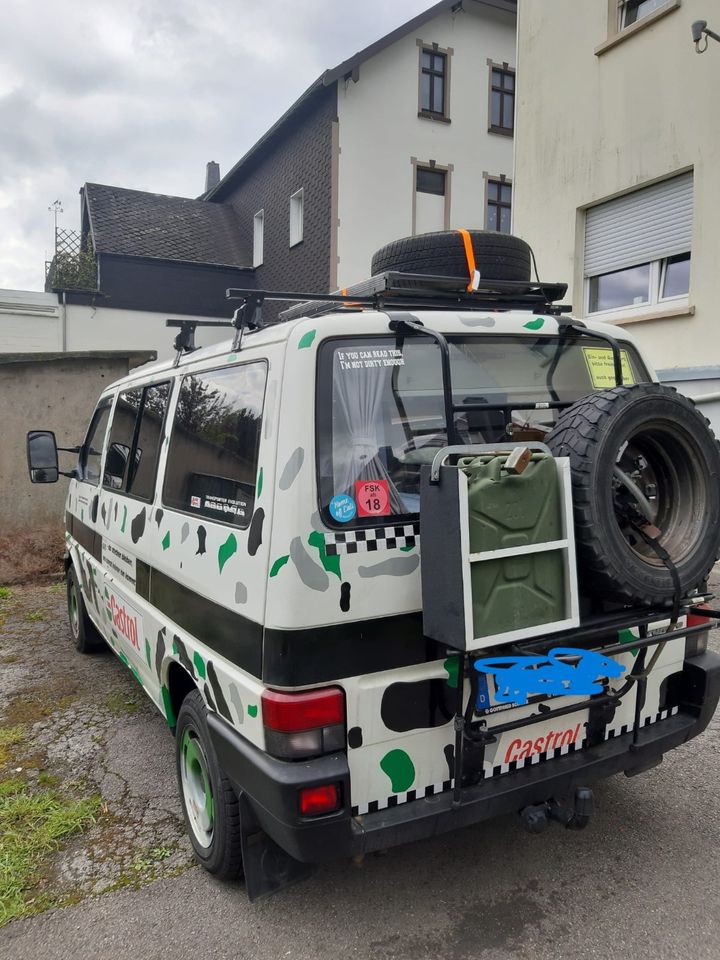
(601, 368)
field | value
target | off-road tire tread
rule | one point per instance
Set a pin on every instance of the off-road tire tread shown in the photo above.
(575, 434)
(498, 256)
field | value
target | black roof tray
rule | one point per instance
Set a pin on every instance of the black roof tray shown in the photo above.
(395, 289)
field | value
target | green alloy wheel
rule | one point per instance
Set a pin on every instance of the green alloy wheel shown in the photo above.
(82, 629)
(210, 805)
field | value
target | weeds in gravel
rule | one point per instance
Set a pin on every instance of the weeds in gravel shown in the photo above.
(6, 593)
(9, 737)
(35, 615)
(56, 588)
(33, 825)
(120, 704)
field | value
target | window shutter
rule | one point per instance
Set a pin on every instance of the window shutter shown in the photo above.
(645, 225)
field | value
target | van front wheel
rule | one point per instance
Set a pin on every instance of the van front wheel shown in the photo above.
(83, 630)
(210, 806)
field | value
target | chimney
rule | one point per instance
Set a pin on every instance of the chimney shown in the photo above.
(212, 175)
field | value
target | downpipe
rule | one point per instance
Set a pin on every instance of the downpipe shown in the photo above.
(538, 816)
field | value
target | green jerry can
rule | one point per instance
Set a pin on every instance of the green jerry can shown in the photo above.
(512, 512)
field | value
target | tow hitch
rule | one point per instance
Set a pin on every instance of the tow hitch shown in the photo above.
(538, 816)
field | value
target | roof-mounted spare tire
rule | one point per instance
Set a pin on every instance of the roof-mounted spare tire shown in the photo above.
(498, 256)
(645, 464)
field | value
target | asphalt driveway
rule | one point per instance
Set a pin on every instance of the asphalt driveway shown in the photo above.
(641, 880)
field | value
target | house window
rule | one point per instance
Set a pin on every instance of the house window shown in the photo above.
(428, 180)
(258, 236)
(633, 10)
(499, 205)
(502, 99)
(638, 249)
(433, 82)
(296, 217)
(431, 197)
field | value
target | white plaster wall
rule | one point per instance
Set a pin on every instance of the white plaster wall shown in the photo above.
(380, 131)
(33, 322)
(589, 127)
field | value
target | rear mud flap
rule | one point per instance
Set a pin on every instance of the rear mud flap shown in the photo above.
(267, 867)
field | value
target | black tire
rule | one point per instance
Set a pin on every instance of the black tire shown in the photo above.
(498, 256)
(85, 635)
(657, 439)
(218, 849)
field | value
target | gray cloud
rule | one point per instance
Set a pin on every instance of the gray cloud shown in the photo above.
(142, 93)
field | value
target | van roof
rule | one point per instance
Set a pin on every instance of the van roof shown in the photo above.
(358, 322)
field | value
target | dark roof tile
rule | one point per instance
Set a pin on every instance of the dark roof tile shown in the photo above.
(138, 224)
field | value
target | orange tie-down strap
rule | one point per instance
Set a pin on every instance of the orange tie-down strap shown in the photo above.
(473, 272)
(350, 303)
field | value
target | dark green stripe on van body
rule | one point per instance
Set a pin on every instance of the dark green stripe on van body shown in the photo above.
(88, 538)
(284, 658)
(236, 638)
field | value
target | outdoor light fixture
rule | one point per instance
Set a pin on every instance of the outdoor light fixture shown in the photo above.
(699, 28)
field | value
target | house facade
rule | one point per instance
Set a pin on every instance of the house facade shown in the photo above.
(617, 167)
(413, 133)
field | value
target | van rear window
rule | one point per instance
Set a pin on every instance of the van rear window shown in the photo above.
(381, 416)
(213, 456)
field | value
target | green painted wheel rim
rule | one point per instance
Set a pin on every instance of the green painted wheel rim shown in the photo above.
(74, 611)
(196, 788)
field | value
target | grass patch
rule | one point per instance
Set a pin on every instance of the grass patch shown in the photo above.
(9, 738)
(56, 588)
(33, 825)
(148, 859)
(35, 615)
(119, 704)
(6, 593)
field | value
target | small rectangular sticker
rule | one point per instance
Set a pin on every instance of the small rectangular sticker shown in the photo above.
(372, 498)
(601, 367)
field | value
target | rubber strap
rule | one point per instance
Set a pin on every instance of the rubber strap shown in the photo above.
(667, 561)
(473, 272)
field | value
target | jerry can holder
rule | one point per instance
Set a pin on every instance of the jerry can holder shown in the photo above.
(447, 559)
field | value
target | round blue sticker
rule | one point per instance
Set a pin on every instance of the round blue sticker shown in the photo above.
(342, 508)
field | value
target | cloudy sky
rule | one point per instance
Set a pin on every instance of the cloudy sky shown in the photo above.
(142, 93)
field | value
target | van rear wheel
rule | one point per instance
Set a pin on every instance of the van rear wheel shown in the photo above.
(84, 633)
(210, 805)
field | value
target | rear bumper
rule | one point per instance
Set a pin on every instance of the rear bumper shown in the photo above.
(272, 785)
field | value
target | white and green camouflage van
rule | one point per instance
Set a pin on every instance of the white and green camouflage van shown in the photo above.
(319, 549)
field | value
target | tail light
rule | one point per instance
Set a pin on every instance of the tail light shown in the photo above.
(315, 801)
(696, 643)
(305, 724)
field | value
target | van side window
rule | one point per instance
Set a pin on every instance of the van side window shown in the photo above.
(91, 452)
(213, 457)
(141, 482)
(134, 444)
(121, 438)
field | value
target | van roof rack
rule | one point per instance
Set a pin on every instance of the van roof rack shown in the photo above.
(419, 291)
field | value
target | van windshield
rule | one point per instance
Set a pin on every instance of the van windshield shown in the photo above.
(381, 415)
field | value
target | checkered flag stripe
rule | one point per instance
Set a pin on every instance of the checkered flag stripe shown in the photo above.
(503, 768)
(372, 539)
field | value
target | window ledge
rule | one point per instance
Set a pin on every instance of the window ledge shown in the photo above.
(636, 27)
(653, 313)
(433, 116)
(502, 131)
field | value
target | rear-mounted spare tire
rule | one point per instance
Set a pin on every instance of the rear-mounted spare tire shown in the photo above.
(642, 458)
(498, 256)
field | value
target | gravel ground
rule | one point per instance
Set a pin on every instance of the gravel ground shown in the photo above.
(641, 880)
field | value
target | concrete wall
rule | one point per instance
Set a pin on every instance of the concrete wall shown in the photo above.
(55, 393)
(592, 124)
(33, 322)
(380, 131)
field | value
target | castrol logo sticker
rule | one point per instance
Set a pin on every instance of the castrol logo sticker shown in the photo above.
(125, 619)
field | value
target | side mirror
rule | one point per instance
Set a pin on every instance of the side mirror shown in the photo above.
(42, 456)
